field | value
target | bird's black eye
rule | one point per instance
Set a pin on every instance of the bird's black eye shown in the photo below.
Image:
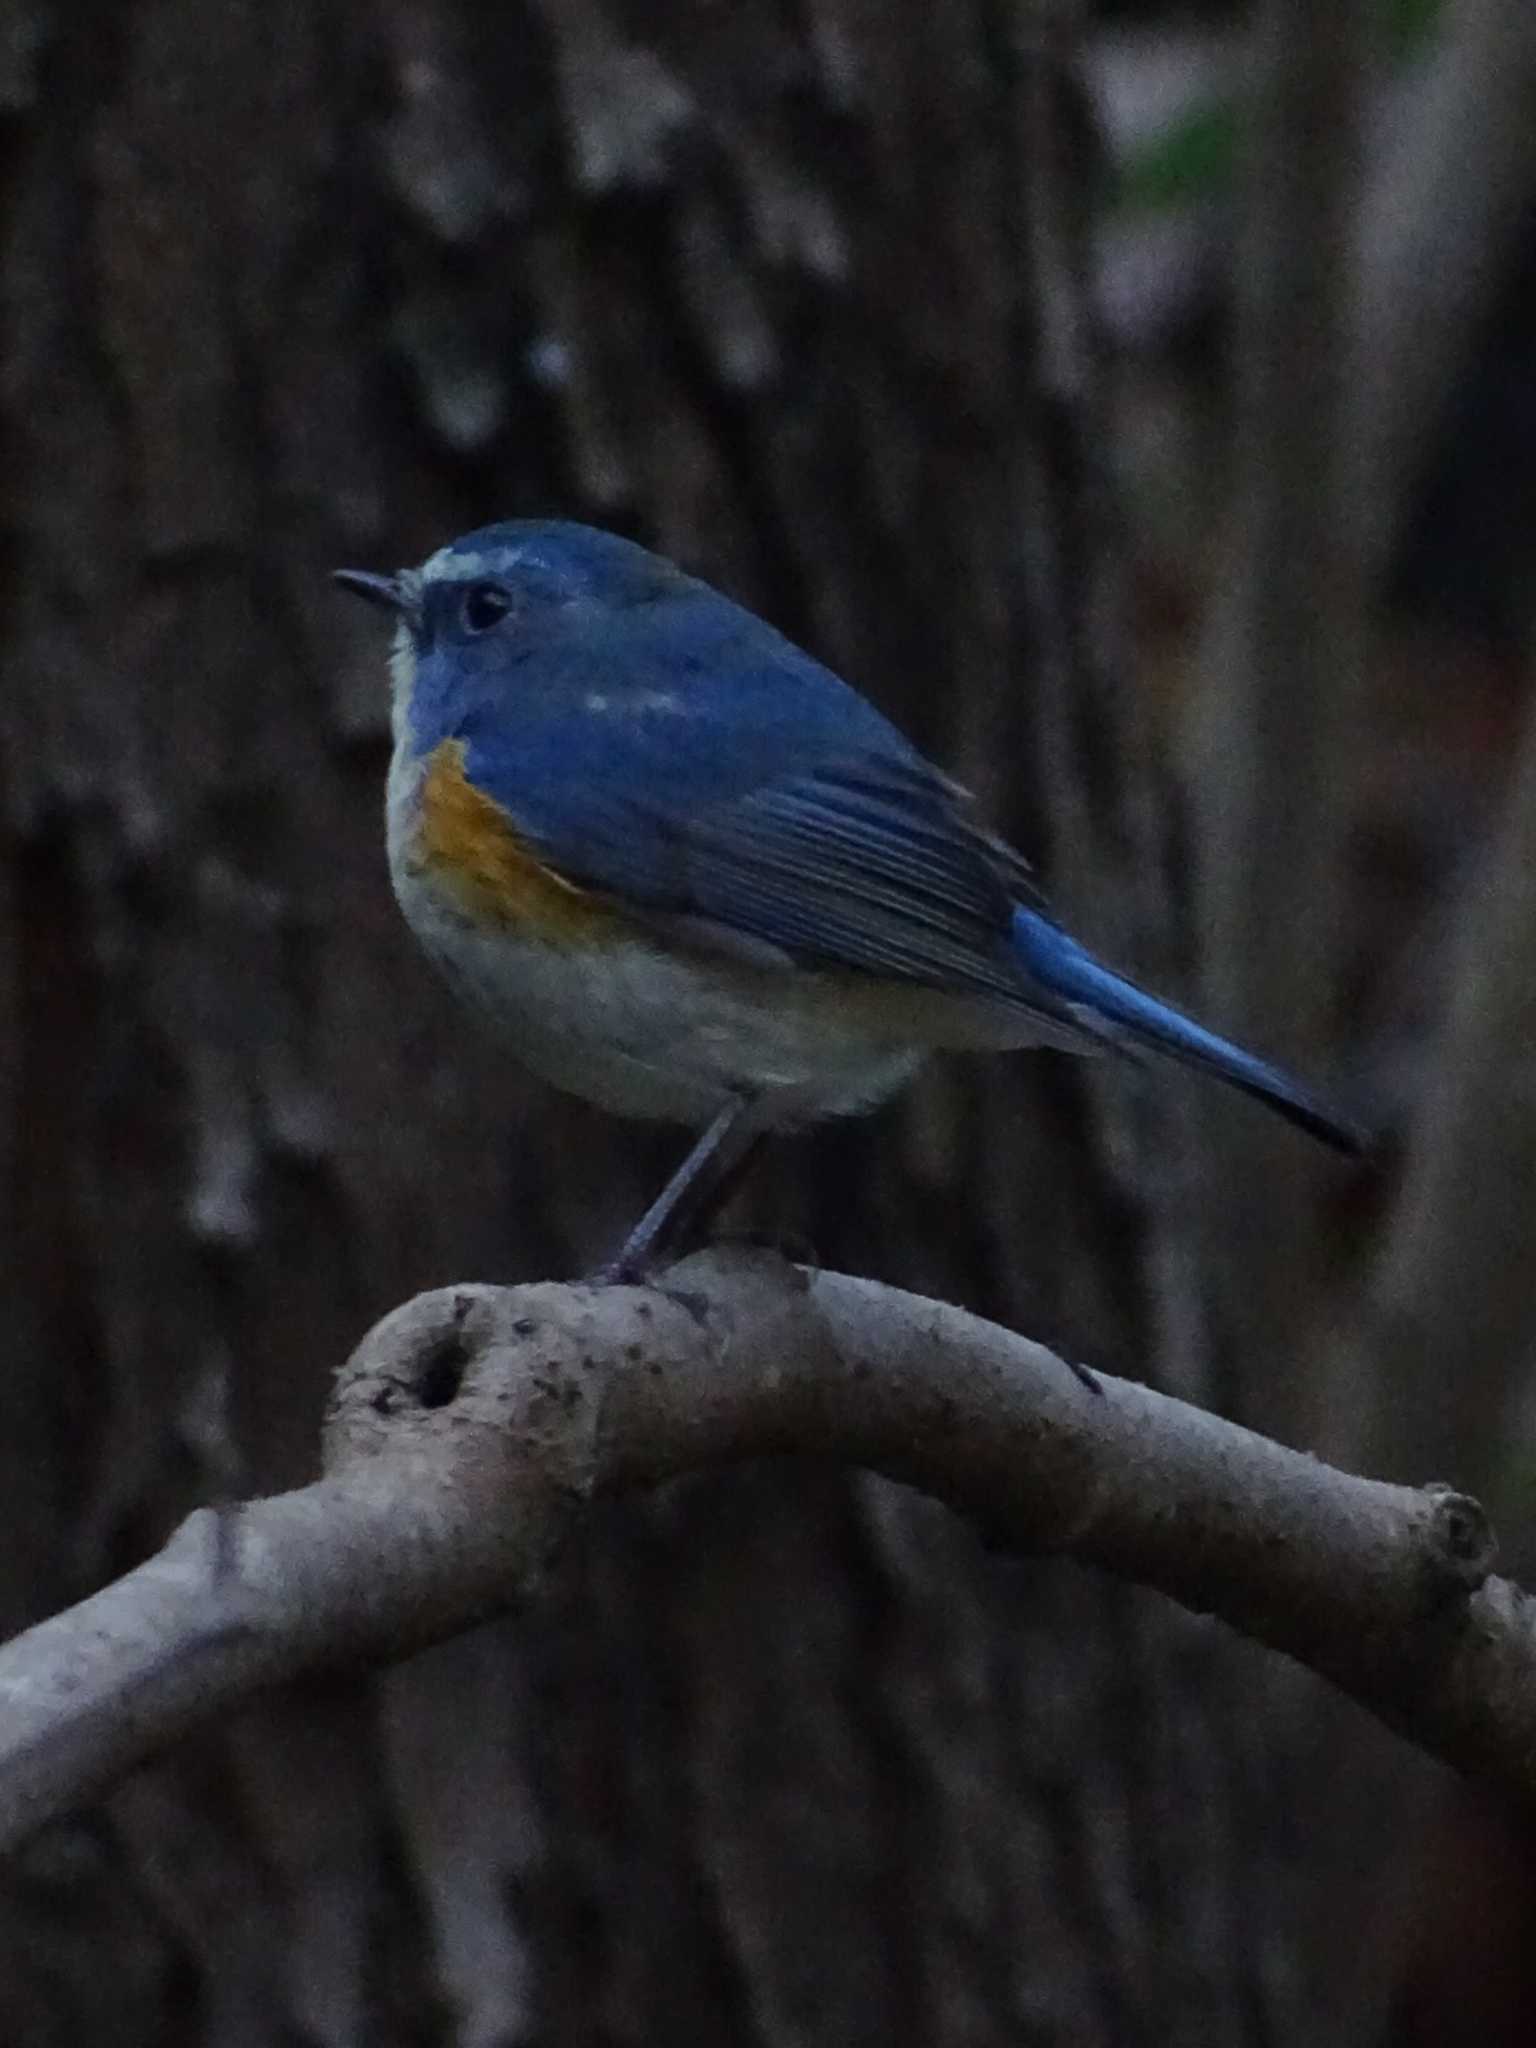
(483, 606)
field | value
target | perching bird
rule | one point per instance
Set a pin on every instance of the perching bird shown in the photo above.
(695, 876)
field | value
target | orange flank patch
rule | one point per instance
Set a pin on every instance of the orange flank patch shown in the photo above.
(466, 842)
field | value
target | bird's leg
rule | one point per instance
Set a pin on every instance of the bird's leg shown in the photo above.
(695, 1194)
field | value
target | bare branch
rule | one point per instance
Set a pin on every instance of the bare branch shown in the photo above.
(473, 1424)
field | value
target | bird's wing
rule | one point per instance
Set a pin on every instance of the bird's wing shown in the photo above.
(788, 815)
(861, 863)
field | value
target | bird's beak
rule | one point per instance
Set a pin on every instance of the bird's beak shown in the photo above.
(398, 594)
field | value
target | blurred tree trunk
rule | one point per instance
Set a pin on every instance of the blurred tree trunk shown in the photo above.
(1285, 642)
(787, 1757)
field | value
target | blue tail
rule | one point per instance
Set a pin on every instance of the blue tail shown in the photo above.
(1111, 1008)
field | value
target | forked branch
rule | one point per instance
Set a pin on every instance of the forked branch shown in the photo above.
(474, 1424)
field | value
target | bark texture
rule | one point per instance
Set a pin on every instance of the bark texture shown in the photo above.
(786, 1760)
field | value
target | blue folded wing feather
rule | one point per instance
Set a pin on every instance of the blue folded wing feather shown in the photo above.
(778, 804)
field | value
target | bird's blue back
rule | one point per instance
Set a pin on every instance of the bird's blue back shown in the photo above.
(692, 688)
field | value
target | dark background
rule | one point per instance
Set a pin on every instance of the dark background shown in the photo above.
(1137, 404)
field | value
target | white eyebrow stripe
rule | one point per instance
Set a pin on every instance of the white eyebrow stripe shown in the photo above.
(449, 565)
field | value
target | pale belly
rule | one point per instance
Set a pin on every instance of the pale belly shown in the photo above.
(673, 1032)
(652, 1033)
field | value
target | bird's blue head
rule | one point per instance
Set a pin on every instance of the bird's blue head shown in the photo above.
(491, 606)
